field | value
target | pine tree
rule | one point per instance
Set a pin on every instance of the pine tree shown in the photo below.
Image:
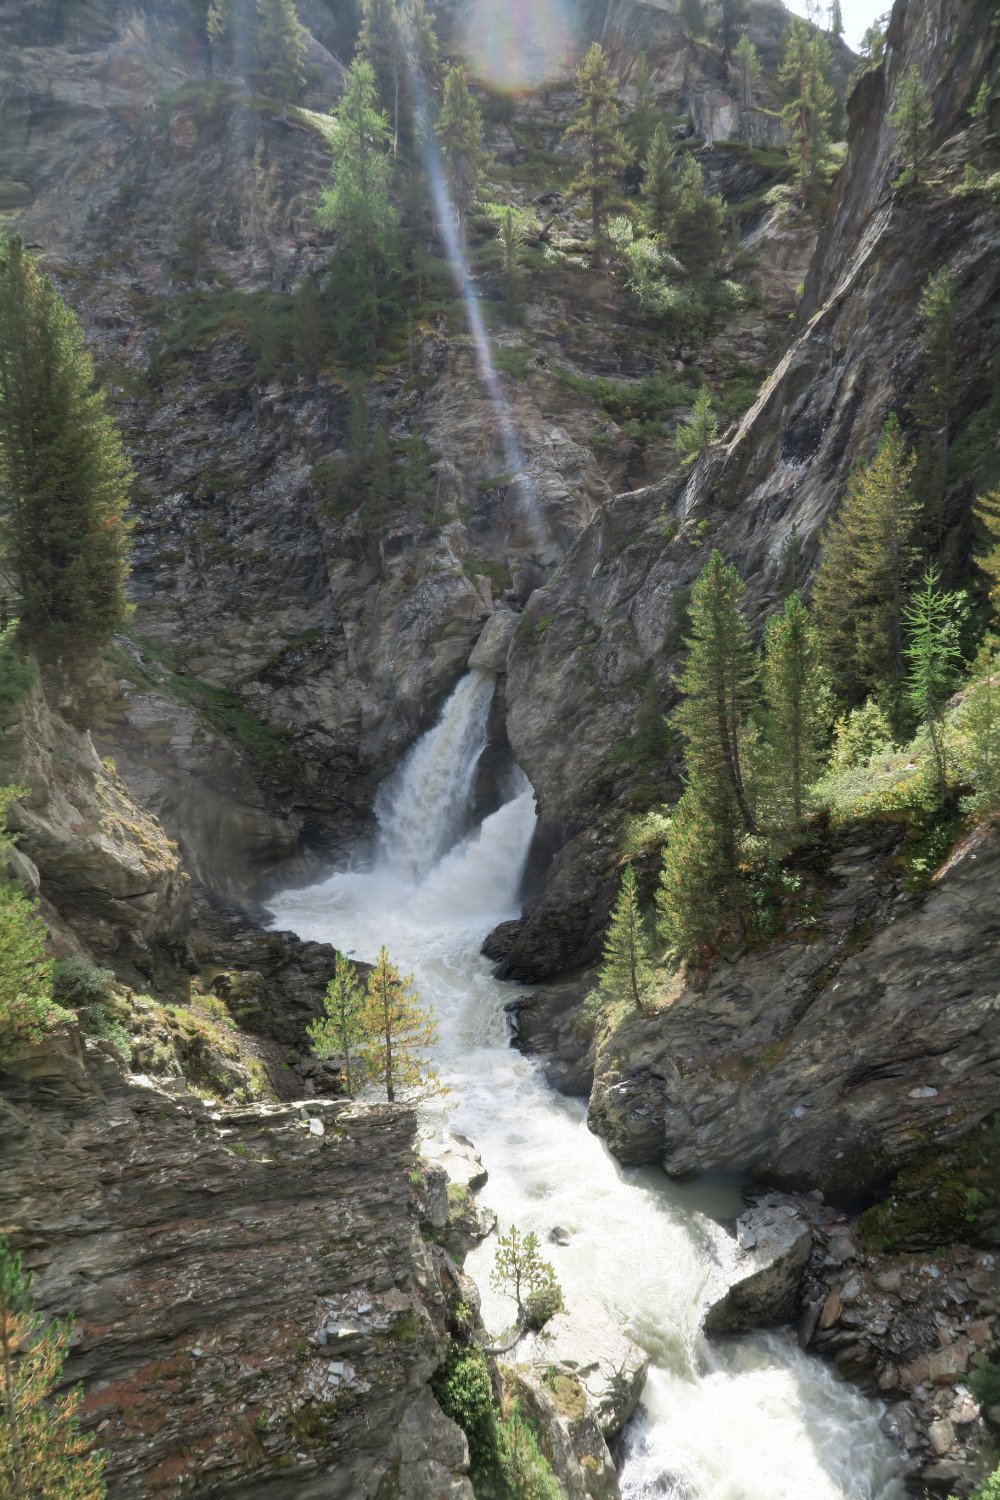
(659, 184)
(749, 67)
(510, 250)
(359, 208)
(807, 113)
(698, 897)
(796, 715)
(937, 394)
(520, 1272)
(339, 1032)
(42, 1450)
(933, 654)
(397, 1031)
(310, 336)
(911, 120)
(979, 723)
(698, 224)
(63, 477)
(717, 683)
(642, 121)
(280, 49)
(605, 154)
(869, 556)
(460, 134)
(986, 516)
(626, 972)
(733, 14)
(695, 436)
(380, 46)
(692, 18)
(422, 43)
(652, 736)
(836, 19)
(791, 564)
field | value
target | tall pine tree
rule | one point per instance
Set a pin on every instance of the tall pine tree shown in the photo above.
(659, 184)
(807, 113)
(397, 1032)
(795, 720)
(626, 972)
(933, 656)
(911, 120)
(604, 152)
(642, 121)
(460, 134)
(698, 223)
(63, 477)
(340, 1031)
(749, 68)
(280, 49)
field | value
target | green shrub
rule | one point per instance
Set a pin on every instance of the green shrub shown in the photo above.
(82, 986)
(27, 1009)
(464, 1392)
(526, 1471)
(17, 675)
(859, 735)
(984, 1384)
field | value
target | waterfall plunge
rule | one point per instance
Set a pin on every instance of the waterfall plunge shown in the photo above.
(743, 1419)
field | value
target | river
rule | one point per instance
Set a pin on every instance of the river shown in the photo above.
(738, 1419)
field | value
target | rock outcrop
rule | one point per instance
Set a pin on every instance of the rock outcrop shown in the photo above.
(756, 1279)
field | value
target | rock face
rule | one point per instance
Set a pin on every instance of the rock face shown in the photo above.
(613, 611)
(756, 1281)
(608, 1365)
(256, 1312)
(821, 1063)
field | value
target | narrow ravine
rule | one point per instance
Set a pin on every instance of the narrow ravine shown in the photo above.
(742, 1419)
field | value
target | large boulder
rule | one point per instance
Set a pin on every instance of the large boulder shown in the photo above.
(756, 1279)
(585, 1343)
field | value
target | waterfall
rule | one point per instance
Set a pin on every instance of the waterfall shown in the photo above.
(742, 1419)
(423, 807)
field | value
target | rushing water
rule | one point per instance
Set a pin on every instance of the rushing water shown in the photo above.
(746, 1419)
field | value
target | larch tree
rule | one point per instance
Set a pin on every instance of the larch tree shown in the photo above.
(659, 184)
(697, 434)
(605, 154)
(42, 1450)
(933, 656)
(986, 556)
(733, 15)
(626, 972)
(460, 135)
(937, 393)
(64, 480)
(911, 120)
(359, 208)
(380, 46)
(869, 557)
(340, 1031)
(642, 121)
(698, 222)
(795, 717)
(749, 68)
(280, 51)
(397, 1032)
(807, 112)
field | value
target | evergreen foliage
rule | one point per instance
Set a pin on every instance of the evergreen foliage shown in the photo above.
(605, 153)
(262, 41)
(64, 480)
(807, 114)
(460, 134)
(520, 1272)
(795, 718)
(933, 656)
(869, 556)
(911, 120)
(395, 1031)
(697, 900)
(986, 515)
(310, 334)
(698, 223)
(659, 184)
(626, 972)
(692, 18)
(358, 207)
(699, 431)
(43, 1454)
(791, 564)
(937, 394)
(340, 1031)
(979, 723)
(642, 121)
(860, 734)
(749, 68)
(836, 19)
(733, 15)
(380, 46)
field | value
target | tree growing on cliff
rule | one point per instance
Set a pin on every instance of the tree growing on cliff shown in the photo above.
(937, 393)
(979, 724)
(698, 222)
(869, 556)
(626, 972)
(460, 135)
(659, 184)
(733, 14)
(42, 1450)
(396, 1031)
(911, 120)
(836, 19)
(520, 1272)
(749, 68)
(340, 1031)
(280, 47)
(64, 479)
(807, 113)
(933, 656)
(986, 556)
(697, 901)
(697, 434)
(795, 719)
(605, 154)
(692, 18)
(642, 121)
(367, 265)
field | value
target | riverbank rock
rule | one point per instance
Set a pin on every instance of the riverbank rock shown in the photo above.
(489, 654)
(546, 1023)
(569, 1434)
(453, 1173)
(585, 1343)
(756, 1280)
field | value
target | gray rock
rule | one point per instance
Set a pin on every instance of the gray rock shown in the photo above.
(489, 654)
(756, 1279)
(586, 1343)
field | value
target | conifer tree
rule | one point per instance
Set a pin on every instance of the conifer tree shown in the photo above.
(421, 43)
(397, 1031)
(42, 1450)
(340, 1032)
(733, 14)
(520, 1272)
(605, 154)
(64, 480)
(979, 722)
(986, 516)
(791, 564)
(698, 223)
(836, 19)
(460, 134)
(510, 250)
(696, 435)
(807, 113)
(692, 18)
(795, 717)
(652, 735)
(718, 683)
(933, 654)
(359, 208)
(659, 184)
(749, 67)
(698, 897)
(642, 121)
(869, 556)
(280, 48)
(310, 338)
(937, 393)
(626, 972)
(380, 46)
(911, 120)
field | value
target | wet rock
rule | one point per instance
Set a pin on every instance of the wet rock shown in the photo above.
(547, 1023)
(585, 1344)
(756, 1283)
(489, 654)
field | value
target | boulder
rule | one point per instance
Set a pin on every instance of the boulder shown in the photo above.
(756, 1279)
(585, 1343)
(489, 654)
(429, 1457)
